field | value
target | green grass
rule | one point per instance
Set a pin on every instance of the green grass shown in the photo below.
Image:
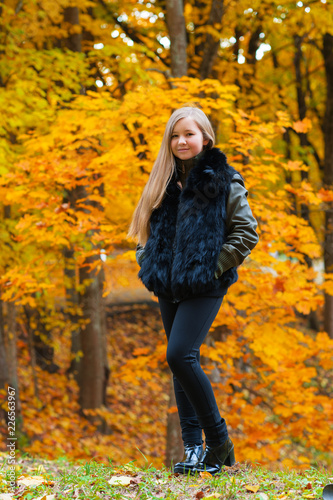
(90, 480)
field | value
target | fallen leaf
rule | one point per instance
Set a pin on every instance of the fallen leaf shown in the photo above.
(263, 496)
(214, 495)
(200, 494)
(31, 480)
(40, 468)
(252, 487)
(205, 474)
(6, 496)
(234, 468)
(120, 481)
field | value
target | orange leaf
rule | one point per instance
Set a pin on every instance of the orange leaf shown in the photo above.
(252, 487)
(205, 474)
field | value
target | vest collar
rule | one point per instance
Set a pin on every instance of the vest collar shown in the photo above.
(210, 167)
(186, 165)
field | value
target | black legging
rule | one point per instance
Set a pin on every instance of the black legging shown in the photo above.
(186, 325)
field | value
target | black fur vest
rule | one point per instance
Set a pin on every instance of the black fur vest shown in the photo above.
(187, 232)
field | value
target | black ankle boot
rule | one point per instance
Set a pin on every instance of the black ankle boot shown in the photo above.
(215, 457)
(193, 455)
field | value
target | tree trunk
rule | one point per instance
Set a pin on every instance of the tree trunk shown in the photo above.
(32, 351)
(174, 444)
(92, 339)
(72, 304)
(8, 327)
(177, 33)
(73, 41)
(212, 43)
(3, 357)
(92, 370)
(304, 143)
(328, 176)
(11, 345)
(3, 360)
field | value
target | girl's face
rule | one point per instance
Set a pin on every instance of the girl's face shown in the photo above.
(187, 139)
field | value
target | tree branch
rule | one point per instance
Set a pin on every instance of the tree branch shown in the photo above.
(18, 6)
(130, 32)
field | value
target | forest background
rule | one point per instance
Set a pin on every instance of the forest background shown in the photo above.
(86, 88)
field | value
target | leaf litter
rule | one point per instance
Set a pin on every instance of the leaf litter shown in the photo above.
(38, 479)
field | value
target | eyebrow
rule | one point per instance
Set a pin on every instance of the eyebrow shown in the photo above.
(187, 130)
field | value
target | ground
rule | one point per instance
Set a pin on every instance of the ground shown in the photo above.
(40, 479)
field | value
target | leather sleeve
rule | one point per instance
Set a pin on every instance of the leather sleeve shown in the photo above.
(139, 254)
(241, 226)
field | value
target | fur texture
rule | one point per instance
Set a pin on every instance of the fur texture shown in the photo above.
(187, 232)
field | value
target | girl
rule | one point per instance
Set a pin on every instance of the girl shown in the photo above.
(194, 227)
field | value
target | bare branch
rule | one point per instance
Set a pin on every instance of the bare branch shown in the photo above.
(130, 32)
(18, 6)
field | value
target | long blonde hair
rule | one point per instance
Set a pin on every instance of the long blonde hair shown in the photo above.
(162, 171)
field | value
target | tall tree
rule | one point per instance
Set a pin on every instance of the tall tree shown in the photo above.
(328, 174)
(93, 369)
(3, 357)
(177, 32)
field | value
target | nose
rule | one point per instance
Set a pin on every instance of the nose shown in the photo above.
(182, 140)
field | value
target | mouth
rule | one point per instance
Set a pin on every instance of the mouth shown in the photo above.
(182, 150)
